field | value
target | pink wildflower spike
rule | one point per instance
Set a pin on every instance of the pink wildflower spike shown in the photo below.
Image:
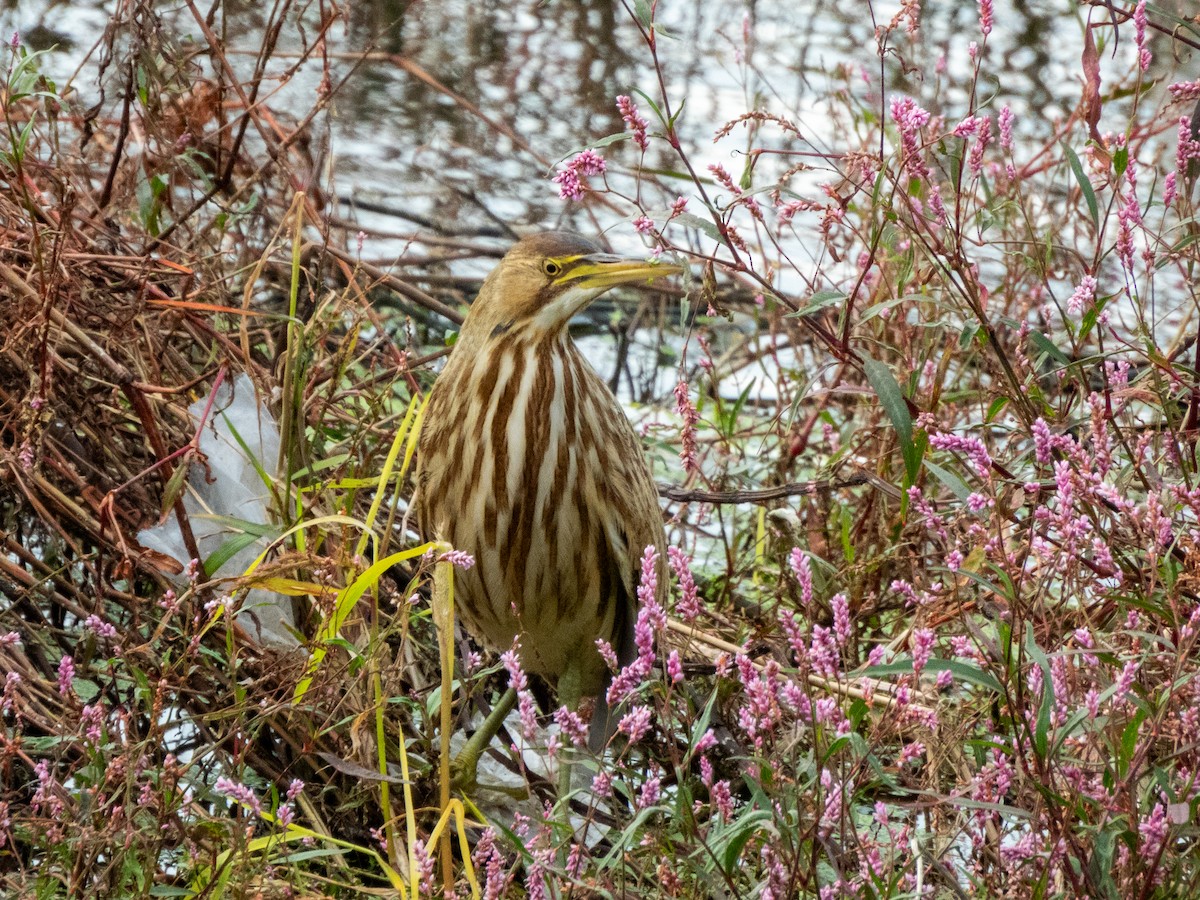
(1139, 24)
(687, 412)
(519, 682)
(986, 17)
(239, 792)
(636, 723)
(572, 176)
(458, 558)
(66, 675)
(922, 649)
(689, 602)
(1183, 91)
(798, 560)
(675, 667)
(1006, 129)
(633, 121)
(841, 618)
(972, 448)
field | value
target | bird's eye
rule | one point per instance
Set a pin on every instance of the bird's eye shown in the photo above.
(551, 268)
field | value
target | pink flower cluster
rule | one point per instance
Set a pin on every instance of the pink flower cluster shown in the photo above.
(633, 121)
(651, 618)
(519, 682)
(572, 176)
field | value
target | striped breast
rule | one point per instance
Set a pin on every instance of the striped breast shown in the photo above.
(527, 462)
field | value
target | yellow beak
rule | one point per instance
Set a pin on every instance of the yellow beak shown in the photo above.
(600, 271)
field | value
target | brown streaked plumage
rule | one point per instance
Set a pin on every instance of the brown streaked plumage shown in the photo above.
(527, 462)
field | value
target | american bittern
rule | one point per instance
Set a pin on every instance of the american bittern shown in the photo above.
(527, 462)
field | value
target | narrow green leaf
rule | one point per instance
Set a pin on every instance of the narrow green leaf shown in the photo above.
(1042, 728)
(243, 535)
(641, 11)
(1089, 193)
(962, 671)
(1044, 344)
(994, 409)
(818, 301)
(890, 396)
(611, 139)
(953, 483)
(742, 830)
(690, 220)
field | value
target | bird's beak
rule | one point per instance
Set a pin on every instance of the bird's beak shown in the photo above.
(601, 271)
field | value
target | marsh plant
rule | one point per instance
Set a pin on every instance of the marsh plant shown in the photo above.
(934, 585)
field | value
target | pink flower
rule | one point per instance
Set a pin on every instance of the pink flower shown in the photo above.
(238, 792)
(570, 185)
(651, 617)
(602, 784)
(650, 792)
(723, 178)
(99, 627)
(722, 798)
(1084, 296)
(635, 723)
(972, 447)
(633, 121)
(841, 618)
(1006, 128)
(588, 163)
(1153, 829)
(571, 725)
(1187, 149)
(66, 675)
(1139, 24)
(800, 568)
(985, 17)
(674, 667)
(689, 602)
(643, 225)
(922, 648)
(1183, 91)
(571, 177)
(687, 412)
(459, 558)
(517, 680)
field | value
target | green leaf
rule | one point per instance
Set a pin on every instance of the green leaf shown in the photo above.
(961, 670)
(1042, 728)
(611, 139)
(690, 220)
(818, 301)
(890, 396)
(994, 409)
(682, 103)
(872, 311)
(1121, 160)
(1089, 194)
(658, 113)
(1046, 346)
(742, 830)
(953, 483)
(245, 534)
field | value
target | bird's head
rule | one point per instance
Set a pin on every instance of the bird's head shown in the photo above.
(545, 279)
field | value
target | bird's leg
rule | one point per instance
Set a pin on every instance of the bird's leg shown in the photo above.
(570, 691)
(466, 763)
